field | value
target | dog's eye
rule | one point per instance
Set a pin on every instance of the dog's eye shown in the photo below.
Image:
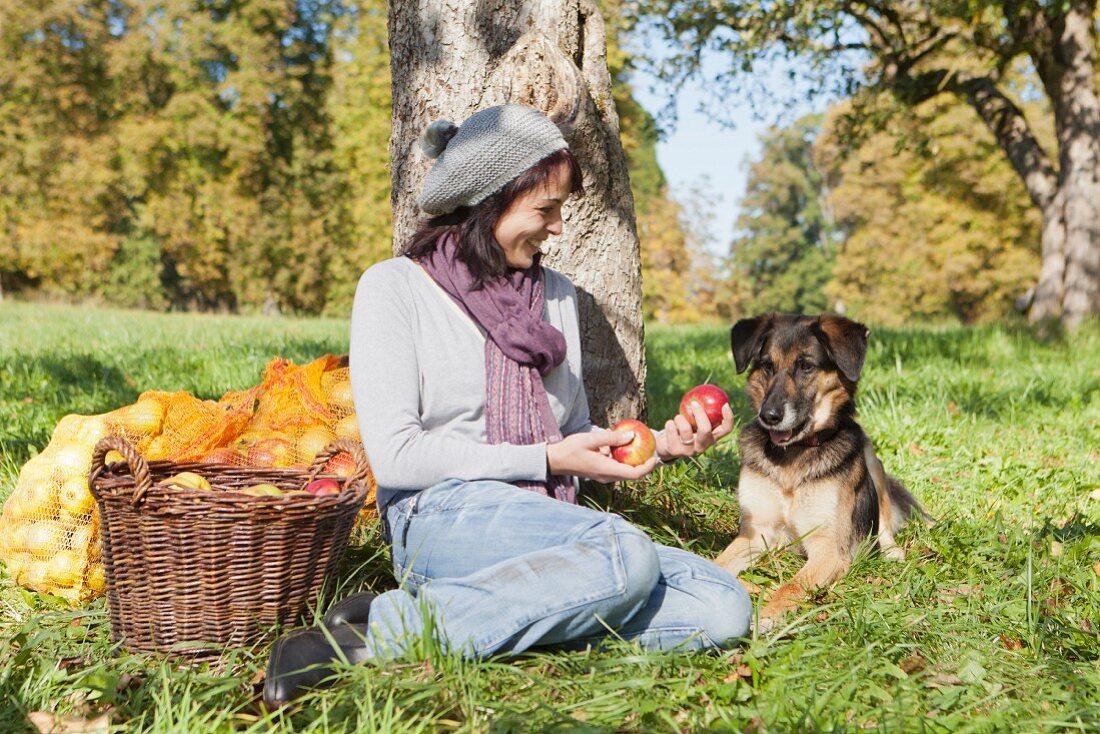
(805, 366)
(766, 366)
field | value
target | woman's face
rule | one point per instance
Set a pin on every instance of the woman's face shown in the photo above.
(531, 218)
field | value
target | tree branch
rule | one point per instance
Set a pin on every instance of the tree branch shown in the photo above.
(1001, 115)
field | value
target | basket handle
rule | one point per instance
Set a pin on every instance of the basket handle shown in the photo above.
(138, 467)
(338, 445)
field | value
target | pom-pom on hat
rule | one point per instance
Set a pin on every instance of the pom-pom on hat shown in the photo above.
(478, 158)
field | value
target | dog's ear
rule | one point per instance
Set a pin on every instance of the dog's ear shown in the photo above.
(846, 342)
(746, 337)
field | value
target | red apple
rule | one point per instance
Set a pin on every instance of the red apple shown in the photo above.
(343, 464)
(323, 486)
(638, 450)
(711, 398)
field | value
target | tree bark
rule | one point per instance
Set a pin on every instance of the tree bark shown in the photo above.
(1077, 124)
(452, 58)
(1062, 48)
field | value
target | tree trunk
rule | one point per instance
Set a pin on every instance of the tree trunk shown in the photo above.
(1077, 122)
(452, 58)
(1069, 284)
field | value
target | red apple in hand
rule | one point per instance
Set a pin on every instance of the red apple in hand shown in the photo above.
(711, 398)
(638, 450)
(323, 486)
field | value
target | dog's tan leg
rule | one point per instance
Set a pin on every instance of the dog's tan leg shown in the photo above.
(825, 564)
(745, 548)
(886, 519)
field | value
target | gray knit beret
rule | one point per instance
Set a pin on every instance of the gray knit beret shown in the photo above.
(477, 159)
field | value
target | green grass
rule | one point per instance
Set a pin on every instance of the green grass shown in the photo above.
(990, 625)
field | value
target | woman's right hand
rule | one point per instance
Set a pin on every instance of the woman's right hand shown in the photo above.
(588, 455)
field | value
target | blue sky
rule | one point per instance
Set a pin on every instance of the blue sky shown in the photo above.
(699, 153)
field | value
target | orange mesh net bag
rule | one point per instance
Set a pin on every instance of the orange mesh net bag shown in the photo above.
(49, 528)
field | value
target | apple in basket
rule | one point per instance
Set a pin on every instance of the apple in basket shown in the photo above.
(189, 480)
(262, 490)
(271, 452)
(323, 486)
(343, 464)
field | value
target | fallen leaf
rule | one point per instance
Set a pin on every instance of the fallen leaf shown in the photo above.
(941, 680)
(915, 449)
(952, 408)
(755, 724)
(1011, 643)
(1056, 549)
(913, 663)
(47, 723)
(1096, 568)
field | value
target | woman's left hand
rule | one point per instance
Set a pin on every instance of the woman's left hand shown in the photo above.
(677, 440)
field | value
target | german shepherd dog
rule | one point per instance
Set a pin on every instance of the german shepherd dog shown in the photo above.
(809, 474)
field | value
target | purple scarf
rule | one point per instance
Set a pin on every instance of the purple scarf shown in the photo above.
(520, 350)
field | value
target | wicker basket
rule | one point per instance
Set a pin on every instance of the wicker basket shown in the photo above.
(191, 572)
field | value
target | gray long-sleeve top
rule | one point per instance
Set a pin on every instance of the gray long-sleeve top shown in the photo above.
(418, 380)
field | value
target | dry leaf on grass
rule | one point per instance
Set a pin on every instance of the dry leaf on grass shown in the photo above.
(942, 680)
(47, 723)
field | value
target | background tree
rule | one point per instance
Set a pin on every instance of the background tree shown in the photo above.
(936, 227)
(786, 245)
(359, 104)
(919, 50)
(448, 61)
(666, 260)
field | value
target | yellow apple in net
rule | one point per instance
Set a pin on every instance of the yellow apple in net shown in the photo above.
(37, 498)
(44, 538)
(142, 418)
(82, 538)
(34, 574)
(75, 498)
(313, 441)
(72, 458)
(16, 565)
(66, 568)
(97, 577)
(271, 452)
(92, 428)
(339, 392)
(348, 428)
(156, 449)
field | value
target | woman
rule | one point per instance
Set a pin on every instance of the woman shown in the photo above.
(465, 369)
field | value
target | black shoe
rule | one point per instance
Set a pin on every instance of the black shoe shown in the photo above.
(355, 609)
(303, 660)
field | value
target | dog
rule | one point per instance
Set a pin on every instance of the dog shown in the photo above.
(809, 474)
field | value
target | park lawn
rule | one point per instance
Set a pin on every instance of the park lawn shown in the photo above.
(991, 624)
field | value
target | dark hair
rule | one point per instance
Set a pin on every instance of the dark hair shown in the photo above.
(473, 226)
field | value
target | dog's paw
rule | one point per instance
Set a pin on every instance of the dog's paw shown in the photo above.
(894, 553)
(766, 624)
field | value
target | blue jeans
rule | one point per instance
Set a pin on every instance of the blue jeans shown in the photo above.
(500, 569)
